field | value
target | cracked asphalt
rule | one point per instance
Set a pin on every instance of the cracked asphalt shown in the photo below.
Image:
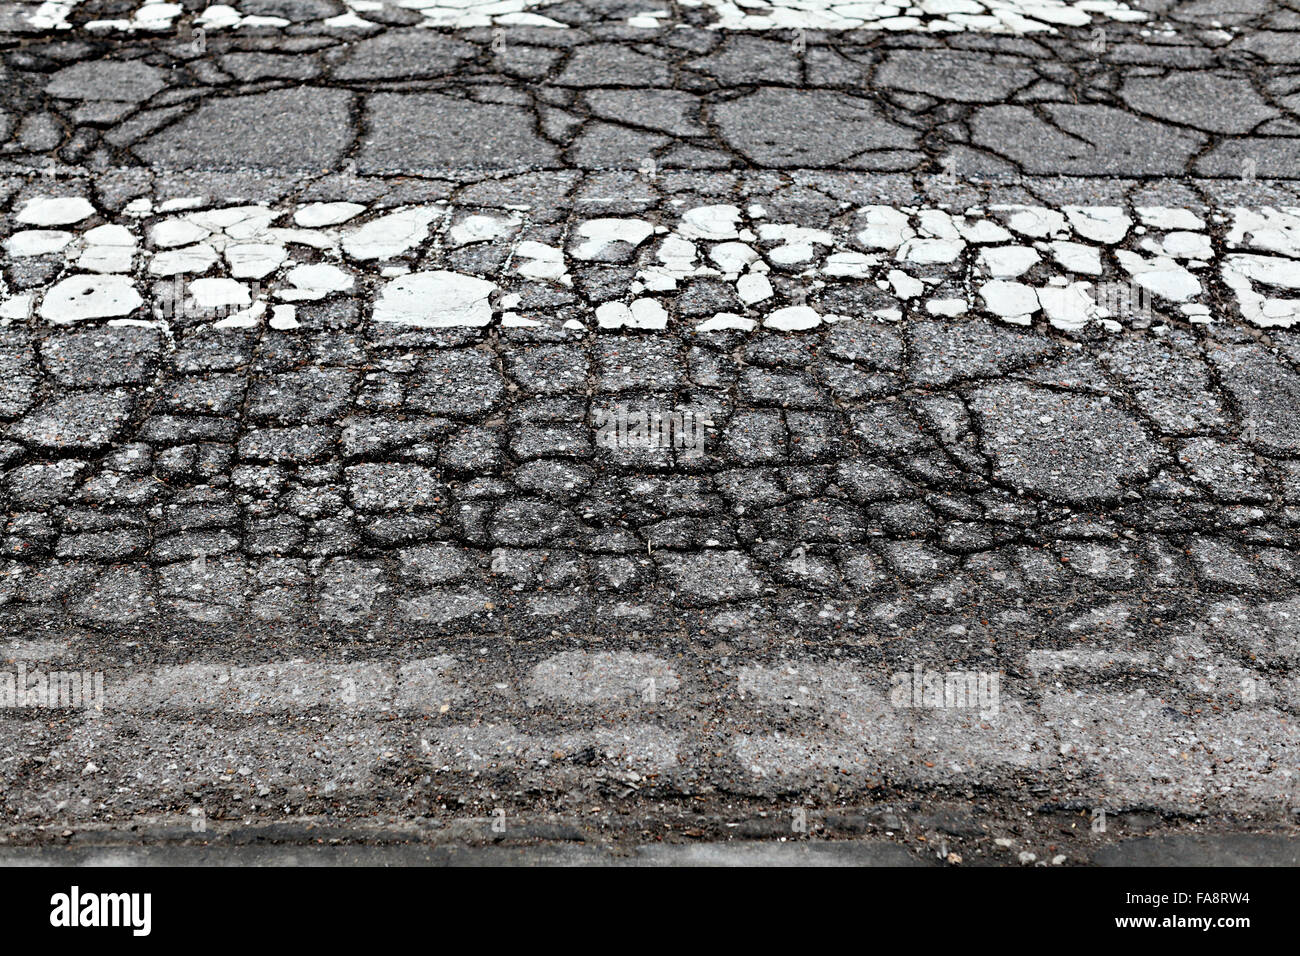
(531, 424)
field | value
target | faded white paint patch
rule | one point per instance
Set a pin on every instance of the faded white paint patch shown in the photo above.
(599, 235)
(540, 261)
(436, 300)
(1008, 262)
(218, 293)
(640, 314)
(317, 214)
(316, 281)
(1010, 301)
(37, 242)
(710, 222)
(54, 211)
(481, 228)
(82, 297)
(1162, 276)
(390, 235)
(584, 677)
(793, 319)
(108, 248)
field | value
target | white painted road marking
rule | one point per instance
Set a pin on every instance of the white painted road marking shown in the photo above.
(1166, 258)
(1017, 17)
(330, 728)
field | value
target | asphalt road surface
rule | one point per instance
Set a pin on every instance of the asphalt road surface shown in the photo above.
(446, 428)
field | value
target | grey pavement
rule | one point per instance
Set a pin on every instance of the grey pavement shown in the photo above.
(521, 433)
(1198, 94)
(846, 854)
(1233, 850)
